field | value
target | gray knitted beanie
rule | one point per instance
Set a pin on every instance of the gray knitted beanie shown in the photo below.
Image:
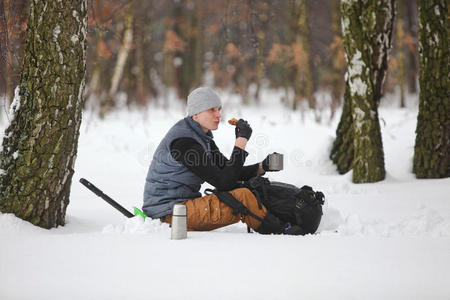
(201, 99)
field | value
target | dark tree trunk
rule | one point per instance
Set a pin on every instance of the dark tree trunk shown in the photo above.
(337, 60)
(432, 149)
(258, 30)
(6, 49)
(13, 16)
(143, 85)
(188, 63)
(40, 145)
(367, 33)
(412, 69)
(400, 49)
(342, 150)
(303, 80)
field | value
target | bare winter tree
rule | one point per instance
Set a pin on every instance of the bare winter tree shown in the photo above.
(259, 20)
(40, 145)
(121, 60)
(303, 80)
(13, 18)
(367, 31)
(432, 149)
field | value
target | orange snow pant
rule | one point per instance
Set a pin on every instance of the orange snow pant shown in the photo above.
(209, 213)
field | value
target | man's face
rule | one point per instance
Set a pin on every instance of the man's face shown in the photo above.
(209, 119)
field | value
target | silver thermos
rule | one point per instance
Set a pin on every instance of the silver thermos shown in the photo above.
(179, 222)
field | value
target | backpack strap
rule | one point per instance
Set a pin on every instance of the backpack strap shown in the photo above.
(258, 198)
(258, 182)
(231, 201)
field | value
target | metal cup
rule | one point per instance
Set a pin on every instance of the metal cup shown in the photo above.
(275, 161)
(179, 223)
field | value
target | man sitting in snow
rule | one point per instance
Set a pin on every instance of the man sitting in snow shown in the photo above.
(187, 157)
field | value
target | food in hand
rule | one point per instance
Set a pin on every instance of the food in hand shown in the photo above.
(233, 121)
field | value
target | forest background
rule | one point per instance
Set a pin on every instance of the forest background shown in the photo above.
(146, 49)
(384, 240)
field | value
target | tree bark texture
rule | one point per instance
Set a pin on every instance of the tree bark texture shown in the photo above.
(367, 33)
(432, 148)
(342, 151)
(40, 145)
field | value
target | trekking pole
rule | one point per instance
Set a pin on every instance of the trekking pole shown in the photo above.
(105, 197)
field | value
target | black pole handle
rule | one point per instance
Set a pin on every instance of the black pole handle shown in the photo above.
(105, 197)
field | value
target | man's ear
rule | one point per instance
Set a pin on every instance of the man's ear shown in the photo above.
(195, 117)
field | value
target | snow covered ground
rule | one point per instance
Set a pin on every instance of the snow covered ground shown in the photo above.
(388, 240)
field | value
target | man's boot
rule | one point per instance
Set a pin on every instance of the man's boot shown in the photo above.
(271, 224)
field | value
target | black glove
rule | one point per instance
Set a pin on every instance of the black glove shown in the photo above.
(265, 164)
(243, 129)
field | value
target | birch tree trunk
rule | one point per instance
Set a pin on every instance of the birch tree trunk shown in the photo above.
(432, 149)
(40, 145)
(122, 56)
(367, 32)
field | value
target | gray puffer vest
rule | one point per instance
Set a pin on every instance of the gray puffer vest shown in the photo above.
(169, 182)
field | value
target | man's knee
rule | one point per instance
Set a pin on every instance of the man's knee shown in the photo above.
(246, 197)
(242, 193)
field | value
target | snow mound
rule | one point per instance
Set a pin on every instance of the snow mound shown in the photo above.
(427, 223)
(137, 225)
(10, 224)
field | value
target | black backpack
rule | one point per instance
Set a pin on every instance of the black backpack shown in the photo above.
(300, 206)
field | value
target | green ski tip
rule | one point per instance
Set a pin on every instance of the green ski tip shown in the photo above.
(138, 212)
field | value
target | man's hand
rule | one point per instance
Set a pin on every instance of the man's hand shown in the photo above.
(260, 170)
(243, 129)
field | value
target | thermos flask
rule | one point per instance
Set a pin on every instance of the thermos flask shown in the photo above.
(179, 223)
